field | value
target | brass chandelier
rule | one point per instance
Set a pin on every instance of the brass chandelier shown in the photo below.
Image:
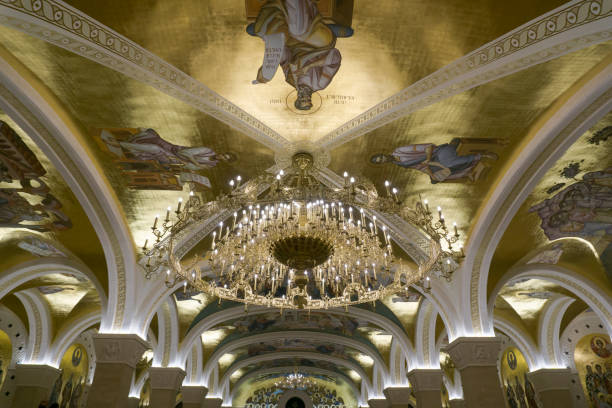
(292, 242)
(295, 380)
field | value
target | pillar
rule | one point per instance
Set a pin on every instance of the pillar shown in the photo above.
(212, 403)
(397, 397)
(427, 387)
(133, 402)
(33, 384)
(116, 358)
(476, 360)
(193, 396)
(377, 403)
(553, 386)
(457, 403)
(165, 385)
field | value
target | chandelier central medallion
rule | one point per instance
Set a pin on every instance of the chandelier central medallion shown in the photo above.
(293, 242)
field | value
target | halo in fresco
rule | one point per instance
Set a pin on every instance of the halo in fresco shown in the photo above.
(593, 359)
(299, 41)
(69, 386)
(460, 160)
(149, 162)
(519, 391)
(581, 209)
(26, 201)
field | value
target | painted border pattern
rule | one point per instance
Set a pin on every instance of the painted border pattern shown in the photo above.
(486, 64)
(57, 23)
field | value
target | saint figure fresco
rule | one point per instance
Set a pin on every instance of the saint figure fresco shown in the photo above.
(19, 164)
(582, 209)
(442, 163)
(150, 162)
(300, 42)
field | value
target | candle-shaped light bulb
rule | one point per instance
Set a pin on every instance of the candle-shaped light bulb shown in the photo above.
(168, 213)
(455, 228)
(394, 191)
(352, 180)
(178, 207)
(155, 222)
(388, 188)
(231, 183)
(144, 247)
(238, 180)
(278, 177)
(282, 172)
(345, 175)
(439, 212)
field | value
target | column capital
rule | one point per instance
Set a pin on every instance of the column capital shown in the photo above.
(550, 379)
(457, 403)
(193, 393)
(35, 375)
(212, 403)
(166, 378)
(378, 403)
(425, 379)
(474, 351)
(397, 395)
(119, 348)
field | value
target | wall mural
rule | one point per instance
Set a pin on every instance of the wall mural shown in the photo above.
(68, 389)
(520, 392)
(460, 160)
(292, 320)
(593, 359)
(297, 39)
(26, 200)
(581, 209)
(149, 162)
(6, 352)
(268, 397)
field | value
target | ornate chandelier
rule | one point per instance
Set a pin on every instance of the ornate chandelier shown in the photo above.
(294, 380)
(290, 241)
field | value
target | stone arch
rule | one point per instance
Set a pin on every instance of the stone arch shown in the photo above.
(588, 101)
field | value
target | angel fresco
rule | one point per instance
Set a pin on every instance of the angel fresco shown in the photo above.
(149, 162)
(442, 163)
(19, 164)
(297, 39)
(582, 209)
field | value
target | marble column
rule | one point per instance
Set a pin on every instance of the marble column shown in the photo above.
(33, 384)
(552, 386)
(457, 403)
(116, 358)
(427, 387)
(212, 403)
(377, 403)
(476, 360)
(397, 397)
(193, 396)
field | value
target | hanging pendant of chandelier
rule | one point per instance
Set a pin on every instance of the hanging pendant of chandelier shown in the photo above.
(292, 242)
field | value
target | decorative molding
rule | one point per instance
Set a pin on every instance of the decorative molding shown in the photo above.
(64, 26)
(119, 348)
(585, 107)
(575, 25)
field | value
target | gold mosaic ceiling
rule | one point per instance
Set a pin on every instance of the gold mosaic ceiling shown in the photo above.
(396, 43)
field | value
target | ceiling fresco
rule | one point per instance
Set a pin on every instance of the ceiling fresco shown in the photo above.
(39, 215)
(374, 57)
(567, 216)
(304, 70)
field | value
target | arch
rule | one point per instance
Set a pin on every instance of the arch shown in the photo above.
(153, 302)
(580, 286)
(323, 337)
(549, 330)
(27, 101)
(39, 320)
(12, 325)
(288, 355)
(68, 335)
(589, 99)
(167, 337)
(522, 341)
(425, 336)
(235, 312)
(288, 369)
(12, 278)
